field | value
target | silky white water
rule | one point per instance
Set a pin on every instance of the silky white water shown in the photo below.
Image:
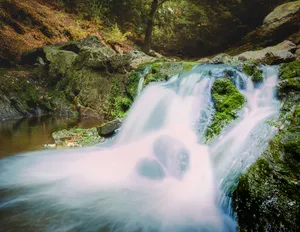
(159, 174)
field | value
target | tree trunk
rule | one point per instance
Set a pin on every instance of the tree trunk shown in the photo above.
(150, 24)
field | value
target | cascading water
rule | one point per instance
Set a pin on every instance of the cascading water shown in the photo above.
(158, 175)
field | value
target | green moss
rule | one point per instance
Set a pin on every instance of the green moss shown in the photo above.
(76, 137)
(290, 70)
(227, 100)
(257, 76)
(121, 107)
(133, 80)
(267, 196)
(189, 65)
(254, 72)
(287, 85)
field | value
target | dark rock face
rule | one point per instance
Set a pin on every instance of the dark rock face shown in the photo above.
(267, 197)
(109, 128)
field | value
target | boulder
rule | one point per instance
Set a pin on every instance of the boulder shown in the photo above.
(109, 128)
(76, 46)
(282, 21)
(283, 52)
(94, 57)
(138, 58)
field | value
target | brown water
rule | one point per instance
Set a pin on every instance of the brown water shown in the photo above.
(30, 134)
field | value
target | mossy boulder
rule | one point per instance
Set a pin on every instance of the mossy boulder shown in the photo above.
(227, 100)
(267, 195)
(254, 72)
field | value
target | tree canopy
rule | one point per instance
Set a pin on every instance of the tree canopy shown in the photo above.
(179, 27)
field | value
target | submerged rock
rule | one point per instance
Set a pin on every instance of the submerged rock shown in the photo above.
(172, 154)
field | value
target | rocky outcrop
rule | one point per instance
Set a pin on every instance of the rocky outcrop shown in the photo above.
(283, 21)
(267, 196)
(91, 79)
(285, 51)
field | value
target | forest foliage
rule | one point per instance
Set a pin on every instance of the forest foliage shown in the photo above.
(193, 27)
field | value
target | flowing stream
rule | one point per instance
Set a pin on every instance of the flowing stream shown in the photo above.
(159, 174)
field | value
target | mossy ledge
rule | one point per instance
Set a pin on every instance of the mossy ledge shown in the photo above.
(120, 99)
(267, 197)
(227, 100)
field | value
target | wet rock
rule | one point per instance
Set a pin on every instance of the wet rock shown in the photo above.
(150, 169)
(172, 154)
(75, 137)
(267, 195)
(109, 128)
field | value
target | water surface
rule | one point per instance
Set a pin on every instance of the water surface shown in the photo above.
(30, 134)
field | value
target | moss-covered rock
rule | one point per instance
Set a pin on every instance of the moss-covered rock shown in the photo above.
(23, 93)
(254, 72)
(289, 78)
(290, 70)
(227, 100)
(267, 197)
(120, 98)
(76, 137)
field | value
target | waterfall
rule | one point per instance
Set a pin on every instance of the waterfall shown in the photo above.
(159, 174)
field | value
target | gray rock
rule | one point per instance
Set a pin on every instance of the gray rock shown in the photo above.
(138, 58)
(94, 57)
(283, 52)
(109, 128)
(282, 16)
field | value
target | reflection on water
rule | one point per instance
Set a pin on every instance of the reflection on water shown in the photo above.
(28, 134)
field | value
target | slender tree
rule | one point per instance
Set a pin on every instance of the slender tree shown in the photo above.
(148, 35)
